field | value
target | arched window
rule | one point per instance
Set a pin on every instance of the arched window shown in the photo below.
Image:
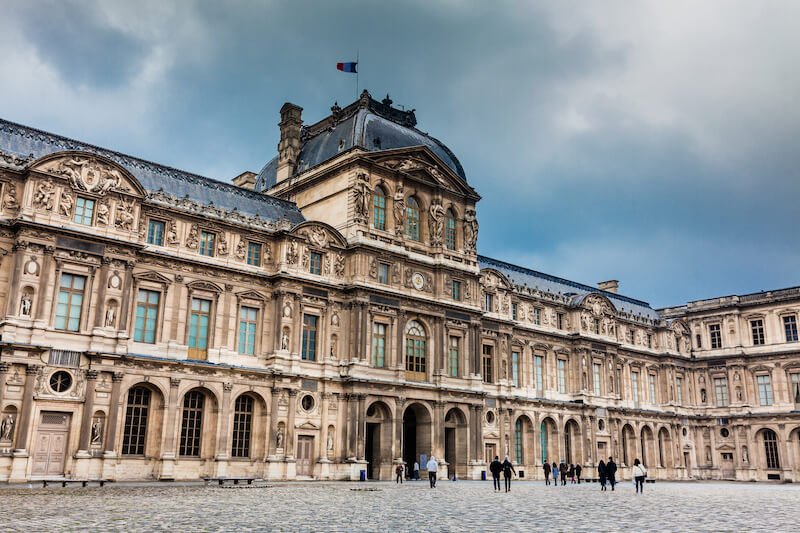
(412, 219)
(543, 440)
(242, 426)
(450, 230)
(518, 441)
(625, 458)
(134, 434)
(771, 449)
(379, 209)
(192, 424)
(416, 348)
(567, 444)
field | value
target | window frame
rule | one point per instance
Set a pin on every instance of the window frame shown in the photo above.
(80, 205)
(315, 260)
(721, 392)
(561, 375)
(453, 355)
(310, 337)
(242, 428)
(450, 229)
(136, 422)
(197, 351)
(757, 332)
(785, 319)
(766, 396)
(413, 219)
(415, 355)
(207, 243)
(455, 289)
(379, 336)
(147, 306)
(190, 442)
(384, 273)
(379, 211)
(256, 262)
(487, 363)
(71, 292)
(150, 233)
(715, 336)
(248, 324)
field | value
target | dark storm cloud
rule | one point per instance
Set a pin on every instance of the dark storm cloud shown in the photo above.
(649, 142)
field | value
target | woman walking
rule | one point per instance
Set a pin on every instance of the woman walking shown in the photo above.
(508, 468)
(639, 473)
(555, 474)
(601, 473)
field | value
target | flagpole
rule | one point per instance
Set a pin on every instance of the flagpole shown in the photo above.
(356, 73)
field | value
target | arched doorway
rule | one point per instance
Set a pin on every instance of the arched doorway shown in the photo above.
(572, 443)
(548, 441)
(628, 450)
(769, 441)
(417, 435)
(523, 441)
(647, 446)
(664, 449)
(455, 442)
(378, 442)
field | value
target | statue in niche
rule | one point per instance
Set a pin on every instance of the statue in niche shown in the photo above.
(745, 458)
(739, 394)
(97, 431)
(279, 438)
(193, 239)
(43, 198)
(124, 217)
(10, 202)
(285, 341)
(334, 346)
(329, 445)
(702, 395)
(291, 252)
(222, 245)
(436, 223)
(103, 213)
(172, 233)
(7, 427)
(361, 197)
(399, 210)
(25, 305)
(66, 204)
(241, 250)
(470, 230)
(111, 315)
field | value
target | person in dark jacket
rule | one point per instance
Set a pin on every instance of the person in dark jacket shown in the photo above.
(571, 473)
(578, 470)
(508, 468)
(611, 472)
(495, 468)
(555, 474)
(398, 470)
(601, 473)
(563, 471)
(546, 468)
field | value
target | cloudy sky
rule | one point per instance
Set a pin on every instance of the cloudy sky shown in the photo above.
(651, 142)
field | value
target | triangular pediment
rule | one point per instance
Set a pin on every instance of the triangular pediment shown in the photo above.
(423, 165)
(307, 425)
(251, 295)
(87, 172)
(152, 276)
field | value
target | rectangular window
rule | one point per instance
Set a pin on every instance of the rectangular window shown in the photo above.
(679, 390)
(378, 344)
(454, 341)
(383, 273)
(635, 386)
(764, 390)
(715, 333)
(790, 328)
(538, 368)
(560, 320)
(242, 426)
(248, 325)
(721, 391)
(618, 373)
(488, 353)
(651, 381)
(596, 378)
(596, 326)
(70, 302)
(84, 210)
(198, 328)
(515, 368)
(309, 337)
(795, 391)
(254, 254)
(155, 232)
(562, 376)
(699, 341)
(315, 263)
(147, 303)
(379, 211)
(488, 304)
(456, 290)
(537, 316)
(134, 434)
(207, 243)
(514, 310)
(757, 327)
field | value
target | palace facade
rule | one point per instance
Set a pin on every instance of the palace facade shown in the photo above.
(331, 315)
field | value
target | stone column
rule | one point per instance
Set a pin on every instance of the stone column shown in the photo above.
(125, 305)
(26, 414)
(224, 423)
(477, 431)
(365, 332)
(172, 413)
(102, 284)
(273, 430)
(88, 412)
(113, 413)
(397, 437)
(362, 425)
(290, 444)
(400, 361)
(501, 424)
(352, 424)
(322, 448)
(46, 282)
(439, 432)
(18, 250)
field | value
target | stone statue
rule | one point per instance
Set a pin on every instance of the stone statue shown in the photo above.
(267, 254)
(124, 218)
(285, 342)
(25, 305)
(279, 438)
(338, 265)
(10, 202)
(738, 394)
(111, 314)
(103, 213)
(110, 180)
(436, 223)
(703, 395)
(97, 431)
(334, 346)
(361, 197)
(65, 205)
(43, 198)
(334, 319)
(222, 245)
(399, 211)
(330, 442)
(470, 230)
(241, 250)
(745, 459)
(7, 428)
(291, 252)
(193, 239)
(172, 233)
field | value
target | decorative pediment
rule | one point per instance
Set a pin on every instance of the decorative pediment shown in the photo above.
(89, 173)
(204, 286)
(422, 164)
(492, 435)
(492, 278)
(319, 234)
(153, 277)
(307, 425)
(599, 305)
(250, 295)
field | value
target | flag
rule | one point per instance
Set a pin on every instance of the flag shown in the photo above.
(348, 67)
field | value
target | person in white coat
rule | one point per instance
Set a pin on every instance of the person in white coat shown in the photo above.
(432, 468)
(639, 473)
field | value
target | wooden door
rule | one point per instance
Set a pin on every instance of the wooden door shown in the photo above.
(491, 451)
(305, 447)
(50, 445)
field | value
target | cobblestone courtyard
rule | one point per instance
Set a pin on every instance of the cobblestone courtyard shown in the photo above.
(460, 506)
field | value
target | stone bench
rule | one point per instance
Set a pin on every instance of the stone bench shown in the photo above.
(65, 482)
(222, 480)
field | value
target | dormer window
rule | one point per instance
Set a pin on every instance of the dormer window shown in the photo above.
(84, 211)
(207, 240)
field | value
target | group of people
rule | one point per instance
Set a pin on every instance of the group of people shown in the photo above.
(432, 466)
(496, 467)
(571, 472)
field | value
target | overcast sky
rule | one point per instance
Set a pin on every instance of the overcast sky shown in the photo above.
(651, 142)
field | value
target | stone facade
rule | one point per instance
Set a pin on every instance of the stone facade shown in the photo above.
(331, 315)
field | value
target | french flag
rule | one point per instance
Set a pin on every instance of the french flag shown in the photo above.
(348, 67)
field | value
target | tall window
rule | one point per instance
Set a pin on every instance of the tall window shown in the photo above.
(596, 378)
(378, 344)
(716, 336)
(70, 302)
(651, 381)
(790, 328)
(315, 263)
(721, 391)
(450, 230)
(198, 328)
(248, 324)
(764, 389)
(412, 219)
(515, 368)
(242, 426)
(192, 424)
(207, 243)
(254, 253)
(488, 302)
(379, 209)
(771, 449)
(456, 290)
(84, 209)
(134, 434)
(383, 273)
(514, 310)
(309, 337)
(537, 316)
(147, 303)
(155, 232)
(562, 376)
(416, 350)
(454, 356)
(635, 385)
(757, 327)
(560, 320)
(518, 441)
(795, 390)
(679, 390)
(486, 363)
(538, 369)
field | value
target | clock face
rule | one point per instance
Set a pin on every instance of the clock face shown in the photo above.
(417, 281)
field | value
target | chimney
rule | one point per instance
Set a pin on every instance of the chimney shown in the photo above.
(611, 285)
(289, 145)
(245, 180)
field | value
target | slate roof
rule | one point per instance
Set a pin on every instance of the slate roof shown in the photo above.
(25, 141)
(532, 279)
(368, 124)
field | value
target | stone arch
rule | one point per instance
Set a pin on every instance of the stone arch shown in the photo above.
(248, 430)
(548, 440)
(56, 164)
(572, 442)
(523, 452)
(456, 436)
(198, 413)
(417, 433)
(647, 442)
(769, 443)
(627, 445)
(143, 420)
(665, 458)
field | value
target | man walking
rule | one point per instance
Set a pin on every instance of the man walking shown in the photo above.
(508, 468)
(578, 470)
(546, 468)
(432, 468)
(495, 468)
(611, 472)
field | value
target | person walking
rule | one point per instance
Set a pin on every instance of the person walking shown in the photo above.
(571, 473)
(601, 473)
(555, 474)
(398, 470)
(508, 468)
(432, 467)
(563, 471)
(611, 472)
(416, 471)
(495, 468)
(639, 474)
(578, 470)
(546, 468)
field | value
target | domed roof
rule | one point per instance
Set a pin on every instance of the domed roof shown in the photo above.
(366, 123)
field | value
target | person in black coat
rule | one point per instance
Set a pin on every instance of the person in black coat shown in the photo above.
(571, 473)
(578, 470)
(563, 471)
(601, 473)
(611, 472)
(507, 469)
(495, 468)
(546, 468)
